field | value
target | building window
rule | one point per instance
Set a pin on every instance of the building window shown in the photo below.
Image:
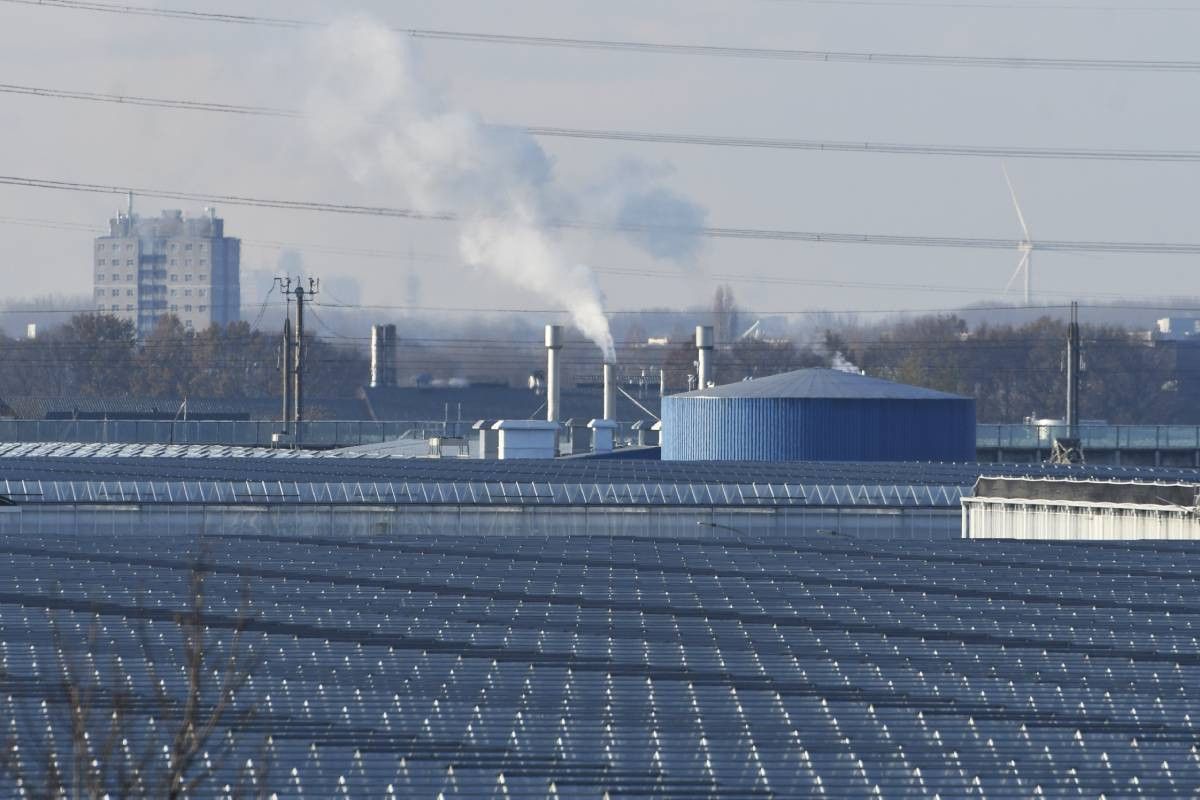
(174, 262)
(129, 308)
(99, 293)
(203, 292)
(116, 247)
(116, 292)
(202, 247)
(202, 309)
(173, 292)
(174, 278)
(187, 323)
(187, 309)
(188, 246)
(129, 247)
(174, 309)
(187, 278)
(129, 278)
(100, 262)
(115, 308)
(187, 292)
(203, 278)
(100, 277)
(173, 246)
(187, 262)
(129, 262)
(116, 277)
(202, 263)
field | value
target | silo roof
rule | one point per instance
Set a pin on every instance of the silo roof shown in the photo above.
(823, 384)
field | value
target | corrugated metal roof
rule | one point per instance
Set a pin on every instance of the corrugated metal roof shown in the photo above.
(478, 665)
(823, 384)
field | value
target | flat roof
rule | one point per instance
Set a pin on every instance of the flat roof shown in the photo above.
(820, 383)
(261, 477)
(1082, 490)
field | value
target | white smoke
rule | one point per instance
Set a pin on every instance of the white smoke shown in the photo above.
(373, 107)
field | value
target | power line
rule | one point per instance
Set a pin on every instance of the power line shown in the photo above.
(652, 137)
(812, 237)
(151, 102)
(991, 6)
(760, 143)
(627, 272)
(659, 48)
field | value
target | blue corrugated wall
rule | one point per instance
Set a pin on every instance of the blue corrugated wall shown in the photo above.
(792, 429)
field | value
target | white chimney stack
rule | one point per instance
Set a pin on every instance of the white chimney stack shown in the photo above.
(704, 345)
(553, 371)
(610, 392)
(383, 356)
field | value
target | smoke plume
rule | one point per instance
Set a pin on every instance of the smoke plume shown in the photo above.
(374, 107)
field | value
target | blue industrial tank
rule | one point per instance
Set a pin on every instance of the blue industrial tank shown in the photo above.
(818, 415)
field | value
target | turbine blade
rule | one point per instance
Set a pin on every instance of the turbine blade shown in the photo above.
(1013, 193)
(1023, 265)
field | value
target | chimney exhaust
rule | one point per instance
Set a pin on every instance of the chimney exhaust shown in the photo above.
(610, 392)
(383, 356)
(704, 345)
(553, 371)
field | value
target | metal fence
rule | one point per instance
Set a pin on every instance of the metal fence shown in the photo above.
(1094, 437)
(354, 433)
(314, 433)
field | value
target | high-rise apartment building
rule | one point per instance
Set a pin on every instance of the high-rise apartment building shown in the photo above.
(147, 268)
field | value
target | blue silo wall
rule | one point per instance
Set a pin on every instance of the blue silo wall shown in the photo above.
(794, 429)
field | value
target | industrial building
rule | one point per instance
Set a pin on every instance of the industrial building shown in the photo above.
(591, 628)
(146, 268)
(1054, 508)
(818, 415)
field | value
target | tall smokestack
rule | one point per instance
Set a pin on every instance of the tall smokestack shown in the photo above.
(704, 344)
(610, 392)
(376, 354)
(383, 356)
(393, 367)
(553, 371)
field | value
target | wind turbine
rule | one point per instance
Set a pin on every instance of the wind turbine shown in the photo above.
(1025, 248)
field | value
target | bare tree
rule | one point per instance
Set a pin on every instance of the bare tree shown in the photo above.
(151, 741)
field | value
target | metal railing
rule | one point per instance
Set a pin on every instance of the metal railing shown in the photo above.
(1095, 437)
(316, 434)
(324, 434)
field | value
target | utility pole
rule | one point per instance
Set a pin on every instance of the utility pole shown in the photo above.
(298, 352)
(1073, 363)
(285, 369)
(1069, 450)
(292, 366)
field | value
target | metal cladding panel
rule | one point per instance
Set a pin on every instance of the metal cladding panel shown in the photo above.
(794, 429)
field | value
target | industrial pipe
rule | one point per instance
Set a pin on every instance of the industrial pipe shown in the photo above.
(378, 346)
(704, 345)
(553, 371)
(610, 392)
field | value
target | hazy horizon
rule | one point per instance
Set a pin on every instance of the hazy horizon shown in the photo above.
(908, 195)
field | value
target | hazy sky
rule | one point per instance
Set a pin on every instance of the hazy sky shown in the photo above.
(839, 192)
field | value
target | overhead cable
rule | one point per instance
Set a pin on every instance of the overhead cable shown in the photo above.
(659, 48)
(654, 137)
(812, 237)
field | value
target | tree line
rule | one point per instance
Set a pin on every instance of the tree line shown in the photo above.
(99, 355)
(1013, 371)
